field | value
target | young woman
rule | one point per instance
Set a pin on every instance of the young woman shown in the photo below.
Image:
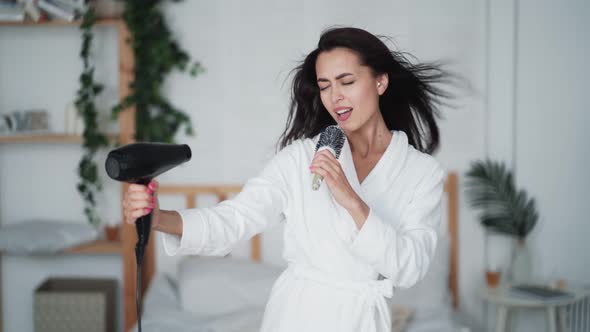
(371, 227)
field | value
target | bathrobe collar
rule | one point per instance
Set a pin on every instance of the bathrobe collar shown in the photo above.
(385, 171)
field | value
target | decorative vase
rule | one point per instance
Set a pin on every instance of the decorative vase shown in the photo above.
(112, 233)
(493, 278)
(521, 263)
(498, 258)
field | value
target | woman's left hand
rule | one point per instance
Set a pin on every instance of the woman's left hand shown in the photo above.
(325, 164)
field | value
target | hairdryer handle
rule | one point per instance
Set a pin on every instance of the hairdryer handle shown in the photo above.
(143, 226)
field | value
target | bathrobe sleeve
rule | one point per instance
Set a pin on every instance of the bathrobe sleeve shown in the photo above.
(403, 253)
(214, 231)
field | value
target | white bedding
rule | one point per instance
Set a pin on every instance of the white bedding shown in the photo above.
(163, 313)
(432, 321)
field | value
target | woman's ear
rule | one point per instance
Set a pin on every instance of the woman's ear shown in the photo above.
(382, 83)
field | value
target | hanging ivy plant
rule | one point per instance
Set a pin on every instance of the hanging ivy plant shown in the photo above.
(156, 54)
(93, 139)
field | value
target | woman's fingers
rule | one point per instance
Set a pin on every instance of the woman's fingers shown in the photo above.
(154, 186)
(325, 174)
(326, 165)
(132, 215)
(139, 201)
(326, 156)
(150, 188)
(135, 214)
(136, 188)
(323, 161)
(139, 196)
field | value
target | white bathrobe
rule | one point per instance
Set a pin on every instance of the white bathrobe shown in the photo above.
(338, 276)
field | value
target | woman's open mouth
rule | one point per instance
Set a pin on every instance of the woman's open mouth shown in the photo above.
(343, 114)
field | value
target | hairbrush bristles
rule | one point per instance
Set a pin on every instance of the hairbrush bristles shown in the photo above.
(331, 137)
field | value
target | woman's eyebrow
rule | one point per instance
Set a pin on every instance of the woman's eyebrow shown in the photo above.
(321, 79)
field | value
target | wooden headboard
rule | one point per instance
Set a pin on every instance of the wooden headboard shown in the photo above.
(452, 191)
(191, 193)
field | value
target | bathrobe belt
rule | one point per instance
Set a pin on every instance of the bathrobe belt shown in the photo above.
(376, 316)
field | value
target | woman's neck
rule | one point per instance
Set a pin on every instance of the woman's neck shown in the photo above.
(373, 137)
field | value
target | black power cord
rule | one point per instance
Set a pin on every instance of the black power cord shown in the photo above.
(138, 296)
(139, 250)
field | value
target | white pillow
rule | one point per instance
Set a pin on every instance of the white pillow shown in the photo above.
(432, 292)
(44, 237)
(215, 285)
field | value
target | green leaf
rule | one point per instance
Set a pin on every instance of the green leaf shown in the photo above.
(490, 188)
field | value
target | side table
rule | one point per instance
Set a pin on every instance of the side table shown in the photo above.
(556, 310)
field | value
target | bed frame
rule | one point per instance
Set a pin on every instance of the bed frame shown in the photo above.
(191, 193)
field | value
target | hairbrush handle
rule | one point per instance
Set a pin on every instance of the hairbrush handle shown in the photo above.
(318, 179)
(316, 182)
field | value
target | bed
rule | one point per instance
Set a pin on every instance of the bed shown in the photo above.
(213, 294)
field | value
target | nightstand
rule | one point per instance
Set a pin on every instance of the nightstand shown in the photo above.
(556, 310)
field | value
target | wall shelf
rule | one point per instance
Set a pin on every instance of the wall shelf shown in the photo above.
(41, 138)
(59, 23)
(47, 138)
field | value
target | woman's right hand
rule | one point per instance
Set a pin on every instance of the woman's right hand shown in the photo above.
(140, 200)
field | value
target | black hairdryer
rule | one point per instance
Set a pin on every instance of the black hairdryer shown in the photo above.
(140, 163)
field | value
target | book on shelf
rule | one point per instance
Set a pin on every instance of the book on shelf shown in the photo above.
(30, 133)
(31, 10)
(540, 292)
(71, 5)
(11, 11)
(56, 11)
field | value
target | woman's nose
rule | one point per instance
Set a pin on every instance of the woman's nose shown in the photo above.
(336, 95)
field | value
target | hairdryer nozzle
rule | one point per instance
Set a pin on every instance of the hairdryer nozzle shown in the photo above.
(113, 169)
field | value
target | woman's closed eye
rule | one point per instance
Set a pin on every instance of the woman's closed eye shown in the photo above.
(322, 88)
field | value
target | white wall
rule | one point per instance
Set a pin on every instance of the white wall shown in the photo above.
(551, 143)
(239, 106)
(537, 107)
(552, 153)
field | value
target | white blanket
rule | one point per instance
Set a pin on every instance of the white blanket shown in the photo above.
(163, 313)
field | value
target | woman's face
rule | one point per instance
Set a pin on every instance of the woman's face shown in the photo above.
(349, 91)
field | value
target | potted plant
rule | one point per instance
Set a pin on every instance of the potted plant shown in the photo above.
(504, 209)
(156, 55)
(92, 138)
